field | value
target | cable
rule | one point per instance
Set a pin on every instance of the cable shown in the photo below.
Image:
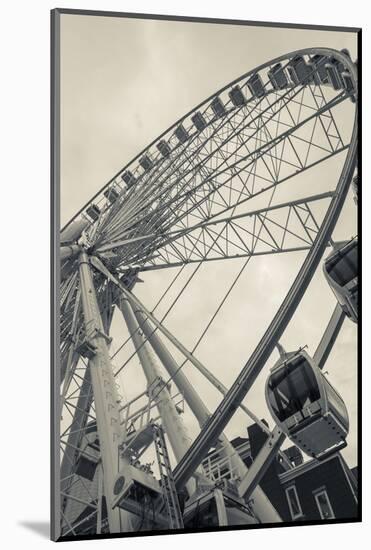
(163, 318)
(217, 311)
(159, 301)
(174, 302)
(155, 307)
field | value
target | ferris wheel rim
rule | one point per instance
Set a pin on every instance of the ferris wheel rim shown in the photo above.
(306, 51)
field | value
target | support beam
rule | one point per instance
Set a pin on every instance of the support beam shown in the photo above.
(329, 336)
(196, 404)
(261, 463)
(158, 391)
(123, 242)
(105, 396)
(262, 507)
(176, 234)
(139, 307)
(193, 400)
(199, 366)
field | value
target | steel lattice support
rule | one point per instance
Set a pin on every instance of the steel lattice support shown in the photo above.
(263, 507)
(76, 431)
(105, 395)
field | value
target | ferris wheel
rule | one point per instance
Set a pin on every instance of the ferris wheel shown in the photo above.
(237, 177)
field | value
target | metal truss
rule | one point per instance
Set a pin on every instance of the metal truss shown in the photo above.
(233, 164)
(281, 228)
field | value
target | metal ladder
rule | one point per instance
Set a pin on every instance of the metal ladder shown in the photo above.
(170, 494)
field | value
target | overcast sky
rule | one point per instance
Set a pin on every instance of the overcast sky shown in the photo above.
(123, 82)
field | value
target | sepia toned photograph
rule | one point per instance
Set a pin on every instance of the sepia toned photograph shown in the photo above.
(205, 180)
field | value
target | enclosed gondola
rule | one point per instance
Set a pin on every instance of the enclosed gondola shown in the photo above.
(199, 121)
(93, 212)
(164, 148)
(341, 271)
(306, 406)
(218, 107)
(237, 97)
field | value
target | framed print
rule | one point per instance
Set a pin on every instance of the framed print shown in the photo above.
(205, 180)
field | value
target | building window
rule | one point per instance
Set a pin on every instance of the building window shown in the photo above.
(323, 504)
(294, 504)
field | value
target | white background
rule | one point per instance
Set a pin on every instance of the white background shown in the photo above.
(24, 245)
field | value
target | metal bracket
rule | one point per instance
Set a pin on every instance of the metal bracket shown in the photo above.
(86, 349)
(85, 345)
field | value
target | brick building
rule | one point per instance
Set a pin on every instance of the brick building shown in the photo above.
(311, 490)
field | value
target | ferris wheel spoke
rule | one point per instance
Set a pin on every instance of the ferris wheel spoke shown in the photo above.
(153, 248)
(262, 153)
(219, 146)
(308, 166)
(148, 195)
(237, 235)
(260, 127)
(320, 118)
(143, 317)
(286, 178)
(319, 101)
